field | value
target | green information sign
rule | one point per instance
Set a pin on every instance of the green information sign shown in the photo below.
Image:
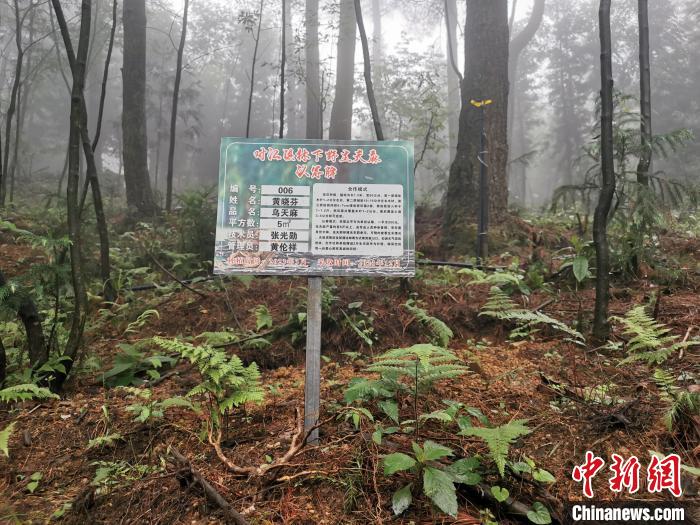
(308, 207)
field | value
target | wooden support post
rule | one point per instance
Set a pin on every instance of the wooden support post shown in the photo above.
(312, 384)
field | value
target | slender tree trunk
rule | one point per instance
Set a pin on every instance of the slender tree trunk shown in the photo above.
(518, 44)
(341, 113)
(454, 77)
(15, 151)
(368, 72)
(314, 122)
(105, 78)
(485, 77)
(283, 65)
(378, 57)
(91, 178)
(252, 69)
(601, 327)
(13, 102)
(644, 165)
(77, 122)
(292, 99)
(173, 113)
(139, 195)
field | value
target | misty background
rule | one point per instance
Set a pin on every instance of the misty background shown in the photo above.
(552, 98)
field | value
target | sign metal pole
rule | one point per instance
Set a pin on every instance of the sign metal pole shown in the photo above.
(312, 383)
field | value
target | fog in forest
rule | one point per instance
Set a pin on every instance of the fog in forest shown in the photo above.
(552, 101)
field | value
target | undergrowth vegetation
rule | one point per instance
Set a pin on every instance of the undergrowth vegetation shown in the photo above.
(416, 403)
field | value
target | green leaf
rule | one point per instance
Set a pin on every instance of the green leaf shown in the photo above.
(377, 436)
(5, 438)
(539, 514)
(543, 476)
(500, 493)
(263, 319)
(402, 499)
(439, 415)
(438, 486)
(463, 471)
(520, 466)
(396, 462)
(433, 451)
(580, 267)
(391, 409)
(34, 483)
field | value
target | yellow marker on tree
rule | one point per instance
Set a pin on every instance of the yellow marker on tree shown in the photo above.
(480, 103)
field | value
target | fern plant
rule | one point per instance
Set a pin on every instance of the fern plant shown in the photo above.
(500, 306)
(422, 365)
(498, 439)
(226, 382)
(681, 403)
(509, 280)
(440, 333)
(5, 434)
(650, 340)
(406, 370)
(150, 409)
(15, 394)
(25, 392)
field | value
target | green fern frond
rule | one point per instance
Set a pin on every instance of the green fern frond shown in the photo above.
(225, 379)
(499, 306)
(424, 363)
(25, 392)
(5, 434)
(650, 340)
(500, 278)
(499, 439)
(679, 401)
(440, 333)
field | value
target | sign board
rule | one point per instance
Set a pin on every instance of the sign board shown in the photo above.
(310, 207)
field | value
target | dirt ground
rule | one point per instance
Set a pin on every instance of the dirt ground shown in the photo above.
(340, 481)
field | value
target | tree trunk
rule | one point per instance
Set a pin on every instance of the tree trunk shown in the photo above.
(139, 196)
(294, 129)
(77, 123)
(283, 65)
(13, 102)
(91, 178)
(31, 320)
(486, 77)
(601, 327)
(105, 78)
(454, 77)
(314, 124)
(368, 72)
(252, 70)
(518, 44)
(378, 57)
(644, 165)
(173, 113)
(341, 114)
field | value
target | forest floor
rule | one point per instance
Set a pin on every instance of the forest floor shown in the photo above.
(575, 399)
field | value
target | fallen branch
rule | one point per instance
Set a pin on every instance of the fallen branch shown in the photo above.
(232, 516)
(175, 278)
